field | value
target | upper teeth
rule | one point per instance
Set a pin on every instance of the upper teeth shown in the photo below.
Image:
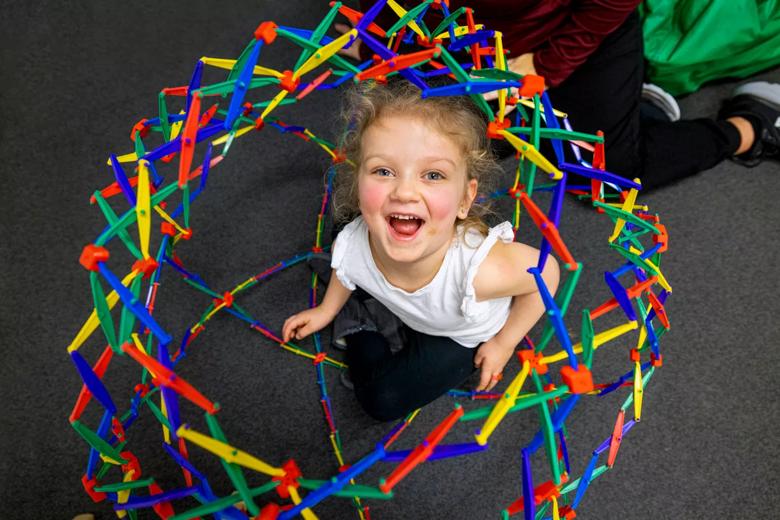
(403, 217)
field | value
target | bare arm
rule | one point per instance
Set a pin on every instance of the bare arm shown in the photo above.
(300, 325)
(504, 273)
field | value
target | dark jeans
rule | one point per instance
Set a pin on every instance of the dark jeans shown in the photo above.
(391, 385)
(604, 94)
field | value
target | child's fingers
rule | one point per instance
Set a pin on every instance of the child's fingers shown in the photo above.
(342, 27)
(490, 96)
(291, 327)
(484, 380)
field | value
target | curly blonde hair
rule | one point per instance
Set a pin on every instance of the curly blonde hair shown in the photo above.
(457, 117)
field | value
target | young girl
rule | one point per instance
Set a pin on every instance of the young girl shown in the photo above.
(418, 246)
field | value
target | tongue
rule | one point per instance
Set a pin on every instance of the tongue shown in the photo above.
(405, 226)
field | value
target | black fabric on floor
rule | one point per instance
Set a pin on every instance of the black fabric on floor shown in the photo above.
(74, 79)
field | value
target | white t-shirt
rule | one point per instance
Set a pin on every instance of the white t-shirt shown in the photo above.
(447, 305)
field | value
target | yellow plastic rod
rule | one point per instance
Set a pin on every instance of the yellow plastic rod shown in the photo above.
(126, 158)
(528, 151)
(500, 65)
(276, 100)
(501, 408)
(638, 391)
(176, 127)
(628, 206)
(166, 431)
(93, 322)
(168, 218)
(324, 53)
(124, 494)
(401, 12)
(232, 135)
(296, 498)
(598, 340)
(222, 63)
(459, 31)
(143, 207)
(227, 452)
(530, 104)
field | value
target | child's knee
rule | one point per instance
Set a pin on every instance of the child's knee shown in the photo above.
(381, 402)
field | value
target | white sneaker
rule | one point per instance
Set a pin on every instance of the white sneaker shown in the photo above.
(662, 100)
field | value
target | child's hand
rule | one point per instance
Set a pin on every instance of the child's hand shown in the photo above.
(300, 325)
(491, 358)
(354, 49)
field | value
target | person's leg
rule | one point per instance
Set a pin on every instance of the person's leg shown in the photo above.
(390, 386)
(604, 94)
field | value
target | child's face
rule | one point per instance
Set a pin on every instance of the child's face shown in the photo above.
(412, 185)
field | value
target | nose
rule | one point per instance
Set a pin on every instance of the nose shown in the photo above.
(406, 189)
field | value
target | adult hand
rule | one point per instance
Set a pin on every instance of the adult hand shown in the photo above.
(354, 49)
(523, 64)
(300, 325)
(491, 358)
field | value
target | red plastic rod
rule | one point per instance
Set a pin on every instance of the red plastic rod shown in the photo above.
(398, 62)
(188, 140)
(166, 377)
(549, 230)
(423, 451)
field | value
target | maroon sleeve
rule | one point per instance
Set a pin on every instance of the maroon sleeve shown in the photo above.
(579, 36)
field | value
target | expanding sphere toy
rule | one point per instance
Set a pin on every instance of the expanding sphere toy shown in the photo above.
(214, 116)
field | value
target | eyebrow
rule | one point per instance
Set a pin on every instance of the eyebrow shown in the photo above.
(432, 158)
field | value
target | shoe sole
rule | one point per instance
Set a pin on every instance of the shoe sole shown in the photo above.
(662, 99)
(767, 93)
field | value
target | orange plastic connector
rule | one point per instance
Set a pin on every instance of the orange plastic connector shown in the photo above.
(89, 487)
(117, 429)
(141, 127)
(290, 478)
(266, 31)
(634, 355)
(132, 465)
(662, 239)
(91, 255)
(579, 381)
(339, 156)
(567, 512)
(270, 511)
(494, 128)
(545, 491)
(227, 299)
(532, 85)
(146, 266)
(287, 82)
(534, 360)
(656, 361)
(166, 228)
(319, 358)
(186, 234)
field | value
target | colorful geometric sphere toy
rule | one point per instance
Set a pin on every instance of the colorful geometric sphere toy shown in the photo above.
(147, 206)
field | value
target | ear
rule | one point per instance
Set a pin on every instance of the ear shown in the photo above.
(468, 198)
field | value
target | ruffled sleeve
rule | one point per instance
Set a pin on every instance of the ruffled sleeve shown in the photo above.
(344, 244)
(473, 310)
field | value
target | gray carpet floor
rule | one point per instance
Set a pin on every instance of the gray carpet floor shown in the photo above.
(74, 79)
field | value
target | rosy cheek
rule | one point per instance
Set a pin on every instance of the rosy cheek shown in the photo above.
(442, 205)
(371, 196)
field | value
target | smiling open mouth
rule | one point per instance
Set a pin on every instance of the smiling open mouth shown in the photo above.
(405, 226)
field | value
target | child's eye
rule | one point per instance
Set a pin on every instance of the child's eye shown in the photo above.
(382, 172)
(434, 176)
